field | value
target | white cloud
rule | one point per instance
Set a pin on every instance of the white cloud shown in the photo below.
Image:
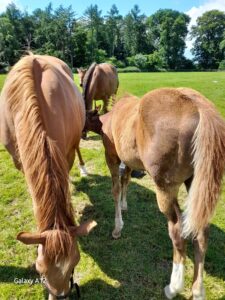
(5, 3)
(196, 12)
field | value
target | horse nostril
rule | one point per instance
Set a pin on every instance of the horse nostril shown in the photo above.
(81, 84)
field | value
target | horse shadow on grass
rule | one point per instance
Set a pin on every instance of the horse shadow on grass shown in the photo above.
(141, 260)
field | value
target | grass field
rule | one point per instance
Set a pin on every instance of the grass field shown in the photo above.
(137, 266)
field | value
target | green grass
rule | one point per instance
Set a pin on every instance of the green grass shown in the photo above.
(139, 264)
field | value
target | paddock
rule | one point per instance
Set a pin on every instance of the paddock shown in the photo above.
(135, 266)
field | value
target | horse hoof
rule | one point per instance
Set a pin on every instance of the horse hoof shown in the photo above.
(124, 207)
(116, 234)
(199, 295)
(169, 293)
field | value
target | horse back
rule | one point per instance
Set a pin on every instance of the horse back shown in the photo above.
(60, 102)
(168, 119)
(104, 81)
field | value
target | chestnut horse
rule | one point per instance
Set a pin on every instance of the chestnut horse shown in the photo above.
(41, 119)
(177, 136)
(99, 82)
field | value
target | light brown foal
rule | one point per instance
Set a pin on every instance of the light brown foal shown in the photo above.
(178, 137)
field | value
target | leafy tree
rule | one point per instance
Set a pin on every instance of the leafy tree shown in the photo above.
(155, 62)
(7, 38)
(209, 34)
(113, 22)
(79, 44)
(94, 23)
(43, 33)
(222, 65)
(12, 30)
(167, 29)
(135, 32)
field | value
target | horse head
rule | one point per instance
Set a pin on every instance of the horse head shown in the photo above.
(93, 122)
(57, 256)
(81, 74)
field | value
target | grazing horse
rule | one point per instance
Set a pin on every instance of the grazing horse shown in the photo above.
(41, 119)
(177, 136)
(99, 82)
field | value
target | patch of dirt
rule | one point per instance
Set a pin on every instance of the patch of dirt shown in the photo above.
(93, 142)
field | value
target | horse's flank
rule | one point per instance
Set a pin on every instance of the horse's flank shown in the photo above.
(40, 138)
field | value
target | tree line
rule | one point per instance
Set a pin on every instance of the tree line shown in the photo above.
(153, 43)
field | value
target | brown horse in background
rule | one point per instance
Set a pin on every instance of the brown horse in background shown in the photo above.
(99, 82)
(41, 119)
(178, 137)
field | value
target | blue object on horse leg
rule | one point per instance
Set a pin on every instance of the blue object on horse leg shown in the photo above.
(137, 174)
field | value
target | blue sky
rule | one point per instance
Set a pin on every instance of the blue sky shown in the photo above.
(124, 6)
(146, 6)
(194, 8)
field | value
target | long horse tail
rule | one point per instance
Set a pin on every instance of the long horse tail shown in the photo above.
(44, 166)
(209, 163)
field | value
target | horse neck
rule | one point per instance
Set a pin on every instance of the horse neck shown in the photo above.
(87, 88)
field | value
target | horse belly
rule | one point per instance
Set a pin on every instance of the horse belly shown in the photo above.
(128, 153)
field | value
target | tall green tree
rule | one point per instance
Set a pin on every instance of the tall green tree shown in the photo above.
(135, 32)
(94, 23)
(209, 34)
(167, 30)
(113, 21)
(79, 42)
(7, 39)
(13, 32)
(43, 33)
(62, 27)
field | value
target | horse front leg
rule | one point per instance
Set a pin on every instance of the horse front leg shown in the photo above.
(200, 247)
(117, 192)
(82, 167)
(113, 164)
(125, 179)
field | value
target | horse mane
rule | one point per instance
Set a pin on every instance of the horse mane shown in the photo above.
(44, 165)
(87, 79)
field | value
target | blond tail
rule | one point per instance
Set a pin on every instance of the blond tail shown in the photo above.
(44, 166)
(209, 162)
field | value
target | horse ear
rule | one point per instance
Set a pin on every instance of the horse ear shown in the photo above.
(83, 229)
(78, 71)
(29, 238)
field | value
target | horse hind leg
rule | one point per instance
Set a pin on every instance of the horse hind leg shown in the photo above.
(168, 205)
(200, 246)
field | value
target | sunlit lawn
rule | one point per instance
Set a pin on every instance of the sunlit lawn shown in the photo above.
(138, 265)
